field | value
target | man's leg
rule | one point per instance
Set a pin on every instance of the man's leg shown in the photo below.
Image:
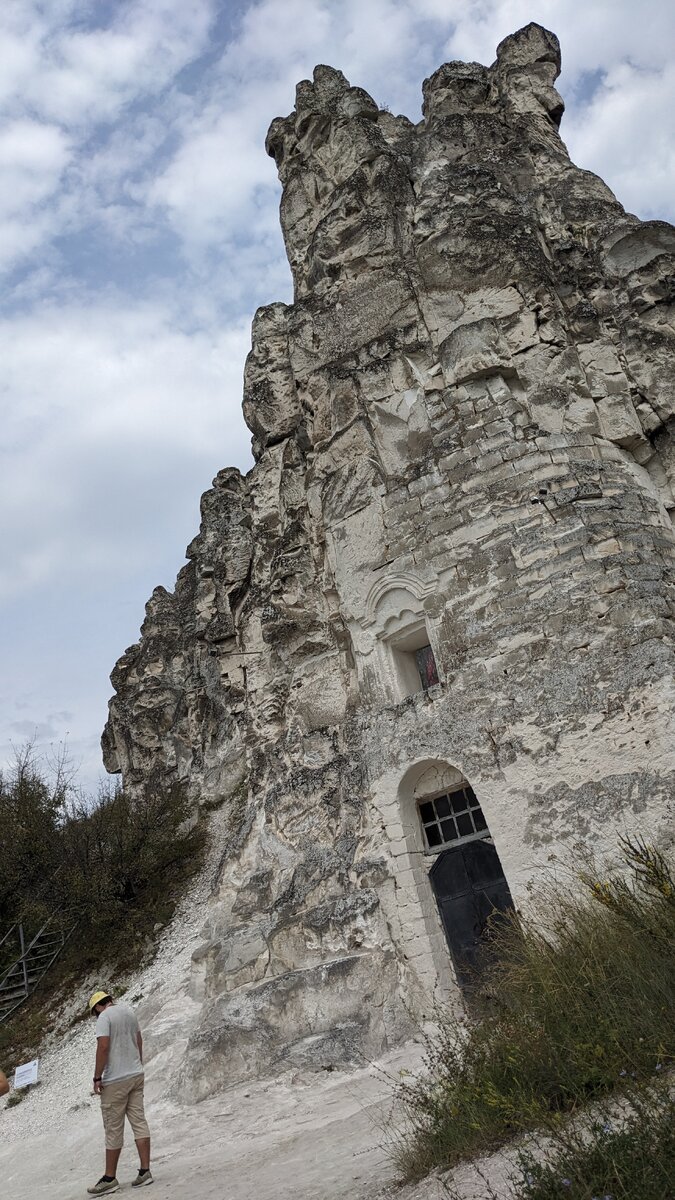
(112, 1157)
(139, 1125)
(113, 1102)
(143, 1147)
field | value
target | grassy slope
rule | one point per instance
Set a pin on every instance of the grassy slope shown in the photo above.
(581, 1005)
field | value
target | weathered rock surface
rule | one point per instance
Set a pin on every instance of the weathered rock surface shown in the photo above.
(464, 436)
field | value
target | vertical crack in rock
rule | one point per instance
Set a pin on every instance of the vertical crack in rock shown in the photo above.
(463, 434)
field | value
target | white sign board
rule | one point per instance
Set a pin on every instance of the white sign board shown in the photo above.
(26, 1074)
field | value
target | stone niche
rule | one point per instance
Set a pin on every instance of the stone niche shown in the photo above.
(432, 627)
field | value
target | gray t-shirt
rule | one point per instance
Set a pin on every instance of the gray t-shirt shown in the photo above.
(120, 1024)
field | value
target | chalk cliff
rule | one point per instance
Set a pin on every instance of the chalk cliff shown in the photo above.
(447, 569)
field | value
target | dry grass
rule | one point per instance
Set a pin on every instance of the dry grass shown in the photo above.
(581, 1004)
(629, 1158)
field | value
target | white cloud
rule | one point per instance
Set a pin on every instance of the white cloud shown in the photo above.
(623, 136)
(33, 157)
(590, 34)
(35, 151)
(90, 73)
(60, 83)
(105, 404)
(208, 187)
(271, 33)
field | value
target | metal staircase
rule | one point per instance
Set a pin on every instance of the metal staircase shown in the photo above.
(33, 962)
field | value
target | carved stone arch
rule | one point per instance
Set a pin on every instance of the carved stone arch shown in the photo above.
(458, 871)
(403, 583)
(424, 778)
(400, 627)
(422, 937)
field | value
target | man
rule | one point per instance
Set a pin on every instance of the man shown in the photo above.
(4, 1085)
(118, 1080)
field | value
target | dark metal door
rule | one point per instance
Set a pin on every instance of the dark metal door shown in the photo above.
(470, 887)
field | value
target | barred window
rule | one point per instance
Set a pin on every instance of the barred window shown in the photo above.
(452, 817)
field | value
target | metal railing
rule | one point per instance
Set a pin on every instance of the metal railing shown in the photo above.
(26, 972)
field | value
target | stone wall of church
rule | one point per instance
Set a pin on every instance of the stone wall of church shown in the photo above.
(464, 438)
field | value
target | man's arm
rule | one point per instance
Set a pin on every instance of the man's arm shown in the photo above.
(102, 1052)
(4, 1085)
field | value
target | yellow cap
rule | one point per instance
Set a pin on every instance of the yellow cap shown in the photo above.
(96, 999)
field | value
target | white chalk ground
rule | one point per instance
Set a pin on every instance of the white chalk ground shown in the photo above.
(304, 1136)
(311, 1138)
(317, 1137)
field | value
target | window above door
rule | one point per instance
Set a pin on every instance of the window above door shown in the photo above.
(413, 659)
(451, 817)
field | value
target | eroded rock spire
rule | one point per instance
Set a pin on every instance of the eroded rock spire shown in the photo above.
(430, 632)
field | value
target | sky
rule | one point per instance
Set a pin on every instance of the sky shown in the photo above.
(138, 234)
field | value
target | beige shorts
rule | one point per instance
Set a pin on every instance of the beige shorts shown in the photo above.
(119, 1099)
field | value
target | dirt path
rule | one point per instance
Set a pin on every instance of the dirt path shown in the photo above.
(309, 1137)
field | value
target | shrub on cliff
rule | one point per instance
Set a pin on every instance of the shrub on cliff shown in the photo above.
(113, 866)
(580, 1003)
(31, 802)
(124, 860)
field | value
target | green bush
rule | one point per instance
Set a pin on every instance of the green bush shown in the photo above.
(110, 868)
(579, 1002)
(613, 1158)
(123, 861)
(31, 803)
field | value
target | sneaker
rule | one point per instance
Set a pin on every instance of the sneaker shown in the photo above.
(141, 1180)
(103, 1187)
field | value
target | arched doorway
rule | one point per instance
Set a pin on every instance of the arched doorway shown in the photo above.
(466, 875)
